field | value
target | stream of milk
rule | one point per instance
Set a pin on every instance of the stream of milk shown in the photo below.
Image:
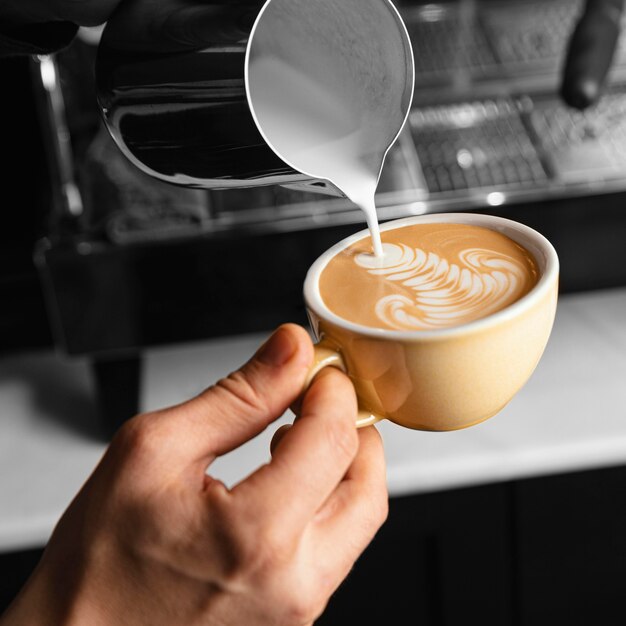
(317, 128)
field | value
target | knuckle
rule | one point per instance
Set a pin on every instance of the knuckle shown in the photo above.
(258, 553)
(302, 608)
(247, 563)
(140, 435)
(268, 549)
(239, 388)
(250, 551)
(299, 593)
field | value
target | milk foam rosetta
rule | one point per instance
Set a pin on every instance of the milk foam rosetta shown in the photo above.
(430, 276)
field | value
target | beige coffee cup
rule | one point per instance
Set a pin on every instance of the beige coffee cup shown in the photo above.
(448, 378)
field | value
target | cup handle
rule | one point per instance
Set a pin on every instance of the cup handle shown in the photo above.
(327, 356)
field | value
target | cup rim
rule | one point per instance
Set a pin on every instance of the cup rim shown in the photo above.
(532, 240)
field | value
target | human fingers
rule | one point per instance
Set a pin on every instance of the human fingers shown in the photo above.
(353, 513)
(233, 410)
(312, 457)
(590, 52)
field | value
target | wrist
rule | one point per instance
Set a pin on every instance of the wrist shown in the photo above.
(60, 590)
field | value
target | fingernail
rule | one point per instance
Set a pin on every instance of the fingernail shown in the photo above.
(278, 349)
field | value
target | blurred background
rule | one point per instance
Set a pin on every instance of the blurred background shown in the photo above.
(100, 265)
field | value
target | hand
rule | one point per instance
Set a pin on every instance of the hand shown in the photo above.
(81, 12)
(591, 50)
(148, 25)
(151, 539)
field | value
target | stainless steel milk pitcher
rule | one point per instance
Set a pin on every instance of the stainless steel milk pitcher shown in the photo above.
(172, 84)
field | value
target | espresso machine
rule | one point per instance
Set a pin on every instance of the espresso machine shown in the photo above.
(129, 261)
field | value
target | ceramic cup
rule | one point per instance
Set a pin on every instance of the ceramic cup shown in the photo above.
(448, 378)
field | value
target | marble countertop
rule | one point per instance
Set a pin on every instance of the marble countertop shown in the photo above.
(570, 416)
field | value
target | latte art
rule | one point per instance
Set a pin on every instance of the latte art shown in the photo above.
(445, 293)
(430, 276)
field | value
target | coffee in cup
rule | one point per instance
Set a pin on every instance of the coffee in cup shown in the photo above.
(430, 276)
(445, 328)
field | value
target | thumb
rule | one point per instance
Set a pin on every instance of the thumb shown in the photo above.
(240, 406)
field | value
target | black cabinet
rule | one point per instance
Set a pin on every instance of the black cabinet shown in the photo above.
(439, 559)
(570, 538)
(542, 552)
